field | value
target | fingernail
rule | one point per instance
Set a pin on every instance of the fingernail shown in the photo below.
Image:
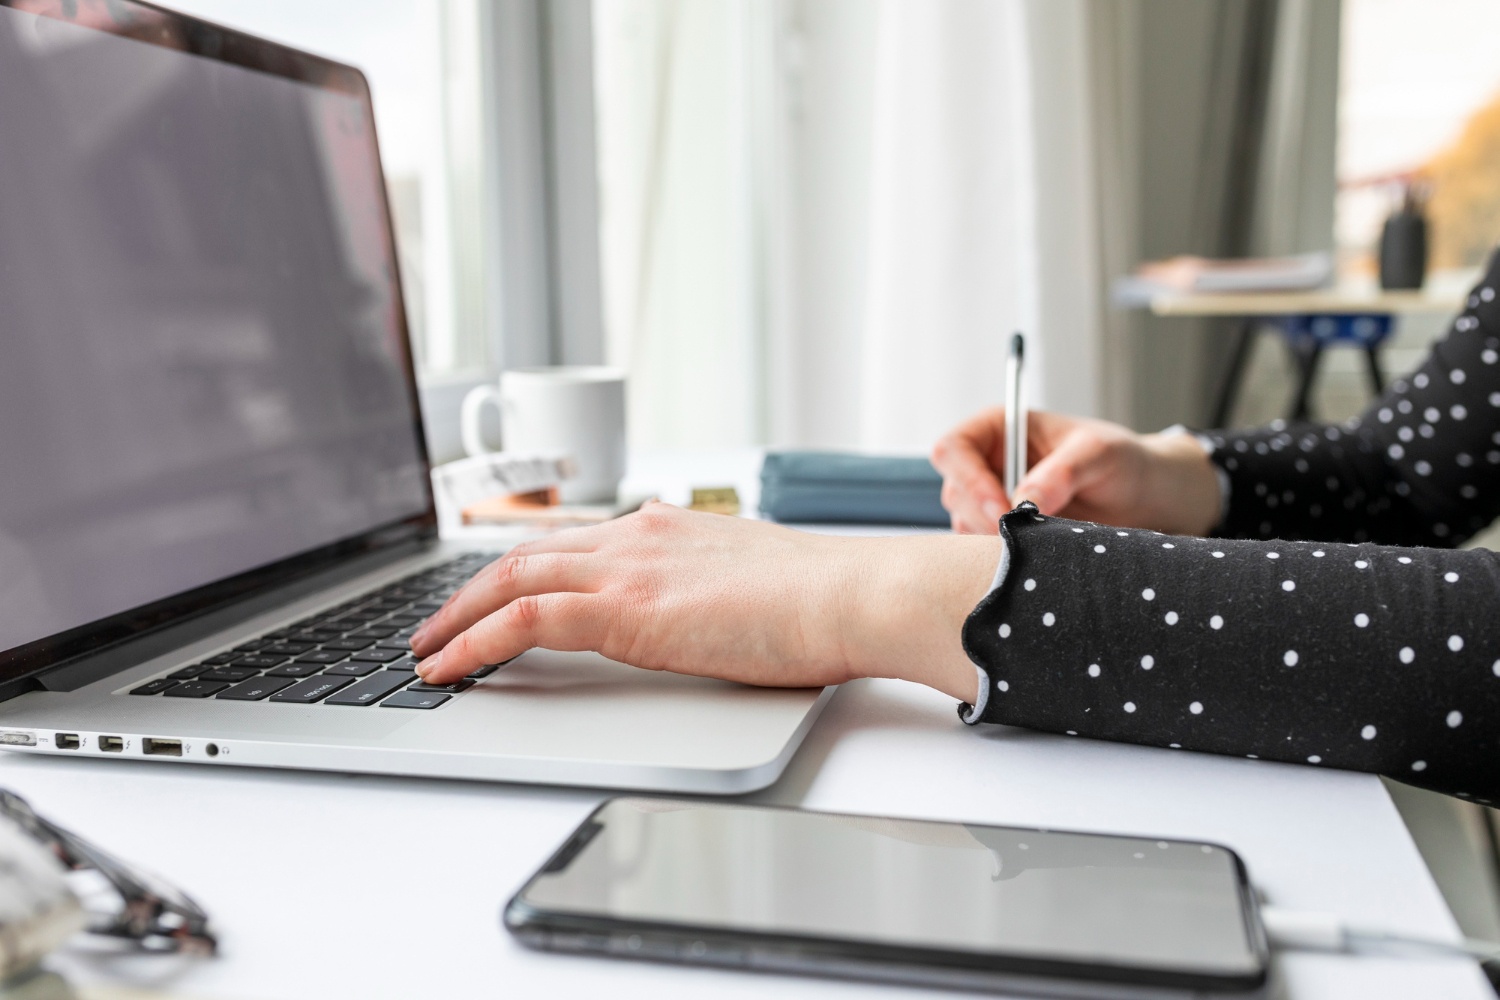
(993, 510)
(428, 665)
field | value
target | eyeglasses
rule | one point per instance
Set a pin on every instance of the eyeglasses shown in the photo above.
(147, 912)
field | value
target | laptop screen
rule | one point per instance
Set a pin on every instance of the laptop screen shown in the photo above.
(205, 366)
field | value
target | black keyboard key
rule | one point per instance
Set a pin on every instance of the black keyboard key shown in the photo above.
(188, 673)
(260, 661)
(295, 669)
(376, 632)
(287, 648)
(235, 673)
(463, 684)
(194, 689)
(370, 690)
(484, 671)
(253, 646)
(323, 656)
(378, 655)
(348, 644)
(279, 634)
(155, 687)
(351, 669)
(314, 638)
(403, 621)
(219, 659)
(308, 691)
(401, 642)
(256, 689)
(408, 664)
(415, 699)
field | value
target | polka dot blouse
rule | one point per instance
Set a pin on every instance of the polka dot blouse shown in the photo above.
(1331, 624)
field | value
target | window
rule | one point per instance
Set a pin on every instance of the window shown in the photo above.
(1420, 96)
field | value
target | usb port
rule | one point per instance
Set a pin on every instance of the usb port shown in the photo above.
(66, 741)
(161, 748)
(112, 744)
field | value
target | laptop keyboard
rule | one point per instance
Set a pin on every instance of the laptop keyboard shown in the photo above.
(355, 654)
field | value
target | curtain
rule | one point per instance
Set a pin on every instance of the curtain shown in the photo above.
(822, 219)
(676, 202)
(819, 216)
(951, 265)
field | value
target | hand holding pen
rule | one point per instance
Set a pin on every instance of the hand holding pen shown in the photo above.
(1087, 469)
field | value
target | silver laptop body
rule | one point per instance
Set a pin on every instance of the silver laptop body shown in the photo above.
(216, 519)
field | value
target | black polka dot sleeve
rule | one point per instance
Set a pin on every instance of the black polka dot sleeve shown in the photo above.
(1421, 466)
(1360, 656)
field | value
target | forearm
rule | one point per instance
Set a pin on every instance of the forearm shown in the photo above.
(1362, 657)
(1182, 484)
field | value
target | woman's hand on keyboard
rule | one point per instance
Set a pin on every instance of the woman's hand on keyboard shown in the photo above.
(669, 589)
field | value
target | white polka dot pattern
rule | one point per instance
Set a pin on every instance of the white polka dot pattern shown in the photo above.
(1380, 658)
(1425, 430)
(1351, 656)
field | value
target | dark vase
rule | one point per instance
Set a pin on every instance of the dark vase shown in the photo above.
(1403, 248)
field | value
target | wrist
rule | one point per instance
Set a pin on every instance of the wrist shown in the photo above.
(1183, 484)
(906, 604)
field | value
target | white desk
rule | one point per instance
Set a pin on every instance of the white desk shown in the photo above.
(328, 886)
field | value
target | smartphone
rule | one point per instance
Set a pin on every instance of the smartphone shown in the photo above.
(1039, 912)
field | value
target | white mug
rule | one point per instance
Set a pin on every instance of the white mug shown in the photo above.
(574, 410)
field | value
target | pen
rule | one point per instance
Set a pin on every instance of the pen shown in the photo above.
(1015, 416)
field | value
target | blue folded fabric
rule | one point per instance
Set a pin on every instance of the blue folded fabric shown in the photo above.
(837, 488)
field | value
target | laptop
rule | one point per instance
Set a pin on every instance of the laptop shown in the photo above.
(217, 527)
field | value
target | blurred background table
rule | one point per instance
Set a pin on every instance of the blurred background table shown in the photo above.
(1359, 314)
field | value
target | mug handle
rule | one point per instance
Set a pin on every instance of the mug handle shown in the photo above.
(468, 417)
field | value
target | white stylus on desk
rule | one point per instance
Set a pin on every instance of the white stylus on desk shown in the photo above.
(1015, 416)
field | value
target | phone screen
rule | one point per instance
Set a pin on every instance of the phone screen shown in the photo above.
(1071, 898)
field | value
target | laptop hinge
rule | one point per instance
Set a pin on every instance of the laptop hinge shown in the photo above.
(13, 689)
(100, 663)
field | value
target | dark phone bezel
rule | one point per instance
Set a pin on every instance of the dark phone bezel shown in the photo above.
(150, 24)
(556, 930)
